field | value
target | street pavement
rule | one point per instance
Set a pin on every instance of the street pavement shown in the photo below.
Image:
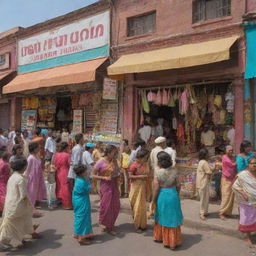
(56, 227)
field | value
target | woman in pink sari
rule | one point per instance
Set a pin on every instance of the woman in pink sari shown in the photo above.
(4, 176)
(61, 161)
(35, 179)
(106, 170)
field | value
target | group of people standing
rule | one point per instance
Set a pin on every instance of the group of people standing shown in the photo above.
(54, 172)
(238, 181)
(66, 176)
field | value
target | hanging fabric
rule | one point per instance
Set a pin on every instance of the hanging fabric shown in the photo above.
(217, 101)
(184, 102)
(174, 123)
(158, 97)
(222, 116)
(151, 96)
(144, 102)
(165, 98)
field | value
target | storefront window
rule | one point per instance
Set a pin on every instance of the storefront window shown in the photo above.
(210, 9)
(141, 25)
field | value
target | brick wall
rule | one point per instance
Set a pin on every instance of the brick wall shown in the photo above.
(174, 24)
(251, 5)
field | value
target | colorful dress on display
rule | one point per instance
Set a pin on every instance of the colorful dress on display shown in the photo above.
(62, 163)
(4, 176)
(243, 161)
(35, 183)
(168, 214)
(82, 208)
(247, 183)
(138, 194)
(109, 193)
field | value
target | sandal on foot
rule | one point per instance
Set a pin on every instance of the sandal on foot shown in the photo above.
(202, 217)
(36, 236)
(37, 215)
(35, 226)
(112, 232)
(84, 242)
(222, 217)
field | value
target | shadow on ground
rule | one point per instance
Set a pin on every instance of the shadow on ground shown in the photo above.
(35, 247)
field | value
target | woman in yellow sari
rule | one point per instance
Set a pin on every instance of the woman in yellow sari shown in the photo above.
(139, 173)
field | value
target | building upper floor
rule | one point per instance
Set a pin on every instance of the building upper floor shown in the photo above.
(136, 21)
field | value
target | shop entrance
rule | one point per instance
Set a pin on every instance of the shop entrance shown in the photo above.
(183, 113)
(63, 117)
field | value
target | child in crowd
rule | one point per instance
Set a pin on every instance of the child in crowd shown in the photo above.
(82, 206)
(76, 157)
(125, 166)
(50, 183)
(203, 180)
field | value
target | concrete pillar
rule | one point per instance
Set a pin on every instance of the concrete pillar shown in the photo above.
(129, 108)
(239, 111)
(247, 111)
(15, 112)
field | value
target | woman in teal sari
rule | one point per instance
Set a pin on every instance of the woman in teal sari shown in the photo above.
(242, 159)
(82, 206)
(168, 214)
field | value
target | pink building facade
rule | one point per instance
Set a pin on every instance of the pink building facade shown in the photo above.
(175, 25)
(9, 106)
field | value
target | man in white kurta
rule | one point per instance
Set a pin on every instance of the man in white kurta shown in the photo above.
(160, 146)
(17, 216)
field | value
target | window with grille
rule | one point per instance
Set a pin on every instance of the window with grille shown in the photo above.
(210, 9)
(141, 25)
(2, 59)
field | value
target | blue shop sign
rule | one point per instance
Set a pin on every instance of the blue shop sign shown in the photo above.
(250, 31)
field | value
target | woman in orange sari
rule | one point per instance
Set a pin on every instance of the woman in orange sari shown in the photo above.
(139, 173)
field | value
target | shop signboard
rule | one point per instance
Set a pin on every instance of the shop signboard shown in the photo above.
(109, 118)
(109, 89)
(250, 32)
(82, 40)
(28, 120)
(78, 120)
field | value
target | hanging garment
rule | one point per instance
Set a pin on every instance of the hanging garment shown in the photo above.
(174, 123)
(171, 102)
(211, 107)
(158, 98)
(229, 118)
(184, 102)
(165, 98)
(222, 116)
(181, 133)
(216, 116)
(151, 96)
(192, 96)
(230, 99)
(217, 101)
(144, 102)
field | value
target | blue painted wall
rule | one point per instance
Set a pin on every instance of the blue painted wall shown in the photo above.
(66, 59)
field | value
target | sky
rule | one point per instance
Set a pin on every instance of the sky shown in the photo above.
(25, 13)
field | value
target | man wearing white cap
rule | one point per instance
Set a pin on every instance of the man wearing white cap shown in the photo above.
(160, 146)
